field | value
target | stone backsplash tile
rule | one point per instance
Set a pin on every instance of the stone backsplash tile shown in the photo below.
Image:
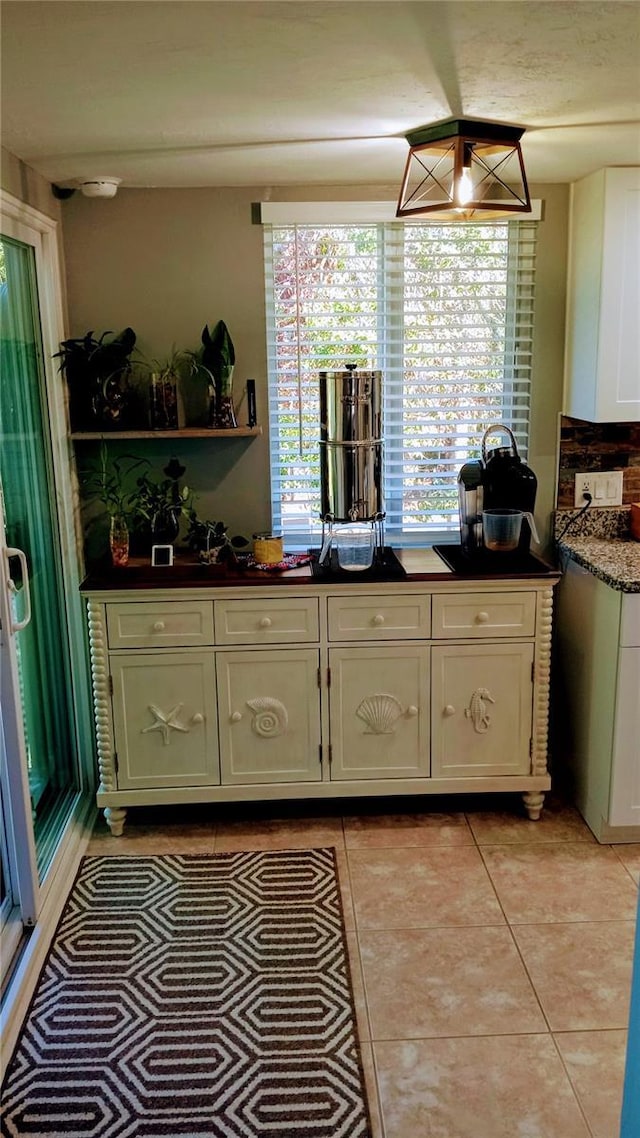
(598, 446)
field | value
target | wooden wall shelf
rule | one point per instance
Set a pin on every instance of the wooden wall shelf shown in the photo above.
(184, 433)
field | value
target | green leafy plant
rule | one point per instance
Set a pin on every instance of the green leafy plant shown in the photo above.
(109, 482)
(97, 371)
(211, 541)
(218, 352)
(179, 363)
(161, 503)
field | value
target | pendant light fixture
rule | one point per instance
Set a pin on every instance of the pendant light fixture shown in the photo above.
(461, 168)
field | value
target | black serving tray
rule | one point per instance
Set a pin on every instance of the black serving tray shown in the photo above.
(487, 564)
(385, 567)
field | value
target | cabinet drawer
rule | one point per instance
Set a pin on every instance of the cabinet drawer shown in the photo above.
(379, 618)
(267, 621)
(169, 624)
(468, 615)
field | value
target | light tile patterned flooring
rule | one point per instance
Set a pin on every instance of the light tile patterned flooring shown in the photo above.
(491, 956)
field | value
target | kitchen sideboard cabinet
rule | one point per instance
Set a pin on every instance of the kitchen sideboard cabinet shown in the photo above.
(224, 692)
(602, 382)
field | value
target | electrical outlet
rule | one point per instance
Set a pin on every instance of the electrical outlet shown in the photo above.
(604, 486)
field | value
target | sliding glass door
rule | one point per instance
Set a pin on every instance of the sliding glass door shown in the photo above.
(40, 641)
(46, 748)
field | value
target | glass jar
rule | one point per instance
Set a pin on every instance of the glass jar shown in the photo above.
(119, 542)
(222, 414)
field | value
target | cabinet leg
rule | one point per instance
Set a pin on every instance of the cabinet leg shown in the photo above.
(533, 802)
(115, 816)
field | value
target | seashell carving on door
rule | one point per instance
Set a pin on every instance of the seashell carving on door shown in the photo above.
(380, 713)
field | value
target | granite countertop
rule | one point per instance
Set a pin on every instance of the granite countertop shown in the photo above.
(601, 543)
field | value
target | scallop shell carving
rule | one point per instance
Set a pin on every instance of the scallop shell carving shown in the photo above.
(379, 712)
(270, 717)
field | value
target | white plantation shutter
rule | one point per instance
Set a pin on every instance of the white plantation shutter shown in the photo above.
(445, 311)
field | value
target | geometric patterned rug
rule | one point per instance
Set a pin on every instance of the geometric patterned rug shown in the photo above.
(189, 995)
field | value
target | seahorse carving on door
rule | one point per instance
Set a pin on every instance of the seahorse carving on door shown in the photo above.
(478, 712)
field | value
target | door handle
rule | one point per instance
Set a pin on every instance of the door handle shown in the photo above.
(18, 625)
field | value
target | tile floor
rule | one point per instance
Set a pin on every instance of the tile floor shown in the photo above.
(491, 956)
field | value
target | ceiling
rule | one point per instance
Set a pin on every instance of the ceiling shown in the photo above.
(232, 93)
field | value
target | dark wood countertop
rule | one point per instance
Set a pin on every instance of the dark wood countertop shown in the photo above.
(185, 573)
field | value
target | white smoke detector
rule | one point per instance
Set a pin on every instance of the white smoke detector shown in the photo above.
(99, 187)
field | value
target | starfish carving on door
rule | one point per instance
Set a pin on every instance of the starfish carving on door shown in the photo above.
(165, 721)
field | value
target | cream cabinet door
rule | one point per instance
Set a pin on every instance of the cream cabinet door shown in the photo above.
(482, 708)
(164, 717)
(379, 712)
(269, 708)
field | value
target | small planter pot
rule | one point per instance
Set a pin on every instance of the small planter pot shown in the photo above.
(165, 528)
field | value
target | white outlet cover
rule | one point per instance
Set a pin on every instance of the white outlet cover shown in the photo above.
(605, 487)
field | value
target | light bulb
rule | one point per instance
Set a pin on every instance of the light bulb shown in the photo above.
(464, 188)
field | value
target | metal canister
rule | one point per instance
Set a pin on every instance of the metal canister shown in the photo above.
(351, 444)
(350, 406)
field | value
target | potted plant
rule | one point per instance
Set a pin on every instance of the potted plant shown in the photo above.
(160, 504)
(98, 371)
(164, 393)
(218, 357)
(109, 482)
(211, 541)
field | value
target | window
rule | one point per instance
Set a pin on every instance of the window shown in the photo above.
(445, 311)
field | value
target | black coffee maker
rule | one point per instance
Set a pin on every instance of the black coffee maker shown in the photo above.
(500, 480)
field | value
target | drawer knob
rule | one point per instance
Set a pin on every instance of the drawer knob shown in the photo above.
(378, 619)
(265, 622)
(482, 617)
(449, 710)
(236, 716)
(159, 626)
(198, 717)
(412, 710)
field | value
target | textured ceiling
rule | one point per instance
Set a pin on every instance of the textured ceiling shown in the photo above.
(200, 92)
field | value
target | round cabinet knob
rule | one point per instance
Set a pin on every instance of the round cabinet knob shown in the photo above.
(482, 617)
(449, 710)
(236, 716)
(265, 622)
(412, 710)
(159, 626)
(378, 619)
(198, 717)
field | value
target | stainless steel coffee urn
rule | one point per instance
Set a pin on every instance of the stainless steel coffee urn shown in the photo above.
(351, 450)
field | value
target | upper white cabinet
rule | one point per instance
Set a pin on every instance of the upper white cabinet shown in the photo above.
(602, 381)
